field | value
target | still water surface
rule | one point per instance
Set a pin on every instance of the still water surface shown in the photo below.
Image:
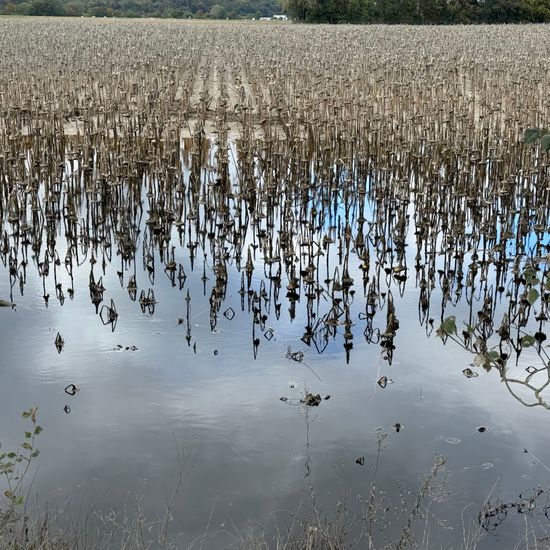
(209, 401)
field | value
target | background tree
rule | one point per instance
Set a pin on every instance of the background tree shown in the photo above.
(46, 7)
(299, 9)
(311, 11)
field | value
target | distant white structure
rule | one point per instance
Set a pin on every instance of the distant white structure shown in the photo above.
(274, 18)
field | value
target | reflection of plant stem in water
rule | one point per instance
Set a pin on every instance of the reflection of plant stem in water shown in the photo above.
(298, 356)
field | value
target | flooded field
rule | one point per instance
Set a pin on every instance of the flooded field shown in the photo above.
(274, 286)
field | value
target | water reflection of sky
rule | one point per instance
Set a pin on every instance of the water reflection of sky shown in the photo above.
(248, 448)
(226, 408)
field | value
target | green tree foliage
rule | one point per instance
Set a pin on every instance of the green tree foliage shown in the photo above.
(419, 11)
(46, 7)
(315, 11)
(537, 11)
(214, 9)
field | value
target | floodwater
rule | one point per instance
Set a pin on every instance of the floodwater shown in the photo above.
(178, 389)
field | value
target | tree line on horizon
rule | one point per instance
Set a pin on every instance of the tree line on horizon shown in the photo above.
(419, 12)
(309, 11)
(179, 9)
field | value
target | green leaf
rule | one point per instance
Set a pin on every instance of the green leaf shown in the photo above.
(38, 430)
(530, 276)
(449, 325)
(26, 414)
(487, 366)
(532, 295)
(531, 135)
(28, 435)
(11, 455)
(25, 445)
(527, 341)
(545, 142)
(35, 454)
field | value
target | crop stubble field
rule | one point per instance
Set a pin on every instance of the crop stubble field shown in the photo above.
(308, 151)
(284, 129)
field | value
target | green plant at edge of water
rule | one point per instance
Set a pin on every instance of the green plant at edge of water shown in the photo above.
(14, 465)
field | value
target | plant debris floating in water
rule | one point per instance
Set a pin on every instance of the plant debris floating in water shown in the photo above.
(469, 373)
(494, 512)
(297, 356)
(312, 400)
(120, 347)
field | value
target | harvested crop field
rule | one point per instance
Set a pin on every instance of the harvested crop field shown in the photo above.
(314, 257)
